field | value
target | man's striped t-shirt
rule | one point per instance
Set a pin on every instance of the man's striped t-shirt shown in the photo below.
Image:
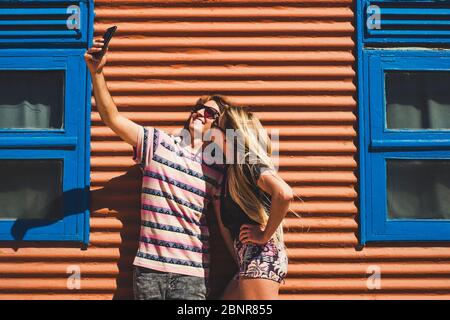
(177, 187)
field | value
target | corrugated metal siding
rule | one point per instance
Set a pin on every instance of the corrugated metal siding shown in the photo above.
(293, 62)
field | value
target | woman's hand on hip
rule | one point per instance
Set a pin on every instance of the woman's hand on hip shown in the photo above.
(250, 233)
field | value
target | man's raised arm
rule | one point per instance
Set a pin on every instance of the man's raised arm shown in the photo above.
(122, 126)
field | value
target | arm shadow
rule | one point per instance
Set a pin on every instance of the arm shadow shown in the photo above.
(104, 202)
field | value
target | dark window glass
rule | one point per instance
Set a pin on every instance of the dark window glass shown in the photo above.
(31, 189)
(418, 189)
(31, 99)
(417, 100)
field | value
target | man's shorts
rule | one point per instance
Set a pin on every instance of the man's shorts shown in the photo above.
(150, 284)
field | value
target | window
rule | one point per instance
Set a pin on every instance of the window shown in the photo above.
(417, 100)
(35, 99)
(404, 122)
(44, 122)
(31, 189)
(418, 189)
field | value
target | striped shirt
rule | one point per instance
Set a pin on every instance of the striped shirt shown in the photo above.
(177, 187)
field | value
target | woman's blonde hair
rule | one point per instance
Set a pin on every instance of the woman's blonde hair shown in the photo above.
(253, 148)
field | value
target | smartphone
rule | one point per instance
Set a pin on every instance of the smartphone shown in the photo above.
(106, 37)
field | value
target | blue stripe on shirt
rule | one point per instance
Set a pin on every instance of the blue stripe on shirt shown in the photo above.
(173, 213)
(177, 183)
(169, 196)
(166, 227)
(175, 245)
(172, 260)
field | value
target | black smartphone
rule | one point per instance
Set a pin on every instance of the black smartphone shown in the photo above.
(106, 37)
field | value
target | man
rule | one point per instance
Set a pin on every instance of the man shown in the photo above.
(178, 185)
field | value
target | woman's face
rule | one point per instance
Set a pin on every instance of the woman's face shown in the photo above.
(221, 125)
(221, 122)
(220, 133)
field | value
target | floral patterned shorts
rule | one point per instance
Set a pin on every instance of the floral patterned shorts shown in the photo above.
(267, 261)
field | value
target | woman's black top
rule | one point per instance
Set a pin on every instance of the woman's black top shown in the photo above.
(233, 217)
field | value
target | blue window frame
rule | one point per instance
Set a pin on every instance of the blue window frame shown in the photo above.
(71, 227)
(380, 227)
(55, 48)
(395, 159)
(381, 63)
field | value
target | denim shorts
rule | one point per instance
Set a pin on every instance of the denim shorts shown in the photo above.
(150, 284)
(268, 261)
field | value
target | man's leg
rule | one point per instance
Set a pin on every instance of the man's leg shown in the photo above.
(149, 284)
(183, 287)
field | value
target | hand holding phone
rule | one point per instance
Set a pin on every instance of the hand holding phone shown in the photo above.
(106, 39)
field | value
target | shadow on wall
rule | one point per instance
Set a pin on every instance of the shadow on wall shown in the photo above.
(120, 197)
(21, 226)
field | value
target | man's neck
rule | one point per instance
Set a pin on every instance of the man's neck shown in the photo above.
(196, 140)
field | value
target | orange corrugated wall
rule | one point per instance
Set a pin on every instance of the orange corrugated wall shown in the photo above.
(293, 62)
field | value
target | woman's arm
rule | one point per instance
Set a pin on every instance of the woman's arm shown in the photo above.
(281, 196)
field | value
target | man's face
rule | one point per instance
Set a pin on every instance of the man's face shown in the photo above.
(202, 120)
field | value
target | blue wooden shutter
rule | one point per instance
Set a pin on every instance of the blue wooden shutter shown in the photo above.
(43, 22)
(407, 21)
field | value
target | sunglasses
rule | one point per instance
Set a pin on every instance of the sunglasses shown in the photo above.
(210, 113)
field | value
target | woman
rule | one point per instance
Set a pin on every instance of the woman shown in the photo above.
(254, 201)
